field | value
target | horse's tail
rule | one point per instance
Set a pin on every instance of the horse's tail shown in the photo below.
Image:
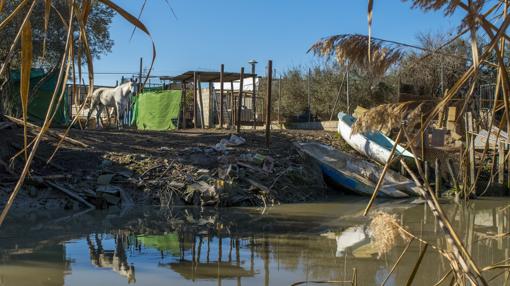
(96, 97)
(94, 102)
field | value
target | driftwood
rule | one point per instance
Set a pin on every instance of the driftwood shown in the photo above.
(70, 193)
(52, 133)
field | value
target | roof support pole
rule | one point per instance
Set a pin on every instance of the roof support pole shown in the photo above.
(222, 71)
(201, 102)
(183, 104)
(268, 102)
(233, 109)
(195, 114)
(239, 101)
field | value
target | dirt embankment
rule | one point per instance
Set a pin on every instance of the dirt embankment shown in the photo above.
(163, 168)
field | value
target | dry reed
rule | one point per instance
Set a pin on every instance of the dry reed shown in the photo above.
(385, 231)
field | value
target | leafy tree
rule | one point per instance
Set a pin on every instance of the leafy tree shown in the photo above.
(98, 26)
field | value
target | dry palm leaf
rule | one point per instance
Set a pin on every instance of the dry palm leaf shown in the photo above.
(386, 117)
(355, 47)
(448, 5)
(26, 66)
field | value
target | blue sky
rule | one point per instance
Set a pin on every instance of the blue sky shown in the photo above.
(207, 33)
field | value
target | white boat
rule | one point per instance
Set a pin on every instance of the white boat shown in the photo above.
(374, 145)
(345, 171)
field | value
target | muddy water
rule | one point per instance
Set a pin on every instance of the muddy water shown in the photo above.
(276, 246)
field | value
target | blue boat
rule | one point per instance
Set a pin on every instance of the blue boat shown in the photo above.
(353, 174)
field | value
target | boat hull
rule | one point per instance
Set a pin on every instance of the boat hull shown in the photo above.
(374, 145)
(355, 175)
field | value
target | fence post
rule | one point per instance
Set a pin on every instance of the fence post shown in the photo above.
(222, 71)
(183, 104)
(239, 101)
(268, 101)
(140, 84)
(470, 137)
(501, 162)
(437, 177)
(202, 121)
(195, 114)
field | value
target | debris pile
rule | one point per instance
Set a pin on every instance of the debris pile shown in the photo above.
(223, 175)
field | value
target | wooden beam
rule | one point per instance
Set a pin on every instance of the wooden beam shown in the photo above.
(222, 72)
(239, 101)
(195, 114)
(437, 178)
(268, 101)
(253, 99)
(471, 146)
(232, 105)
(183, 104)
(202, 121)
(501, 162)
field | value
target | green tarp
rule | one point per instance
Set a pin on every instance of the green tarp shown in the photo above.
(168, 242)
(38, 103)
(157, 110)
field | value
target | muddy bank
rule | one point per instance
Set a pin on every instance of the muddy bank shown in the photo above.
(192, 167)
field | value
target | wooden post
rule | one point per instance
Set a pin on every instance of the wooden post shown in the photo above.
(437, 175)
(140, 85)
(508, 167)
(501, 163)
(239, 101)
(253, 96)
(183, 104)
(426, 171)
(233, 109)
(470, 137)
(279, 97)
(308, 92)
(452, 175)
(268, 101)
(222, 71)
(195, 114)
(201, 103)
(210, 110)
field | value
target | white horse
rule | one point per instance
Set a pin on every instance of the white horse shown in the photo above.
(117, 97)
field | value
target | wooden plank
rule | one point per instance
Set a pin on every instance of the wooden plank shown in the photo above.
(71, 194)
(452, 113)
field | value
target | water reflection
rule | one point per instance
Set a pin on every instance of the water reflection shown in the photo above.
(234, 247)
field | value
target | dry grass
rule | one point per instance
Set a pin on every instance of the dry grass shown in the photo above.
(354, 48)
(386, 117)
(385, 231)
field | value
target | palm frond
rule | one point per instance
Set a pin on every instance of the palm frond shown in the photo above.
(354, 49)
(386, 117)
